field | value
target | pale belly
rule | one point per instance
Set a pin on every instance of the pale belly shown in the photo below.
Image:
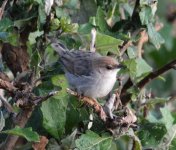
(94, 87)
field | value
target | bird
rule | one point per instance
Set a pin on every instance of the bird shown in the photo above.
(88, 73)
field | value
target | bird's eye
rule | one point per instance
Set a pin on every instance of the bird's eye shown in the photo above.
(109, 67)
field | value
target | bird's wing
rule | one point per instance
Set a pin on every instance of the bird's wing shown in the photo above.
(83, 62)
(76, 62)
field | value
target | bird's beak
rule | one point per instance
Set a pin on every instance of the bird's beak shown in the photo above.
(121, 66)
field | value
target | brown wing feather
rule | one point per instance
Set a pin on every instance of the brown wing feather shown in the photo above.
(78, 62)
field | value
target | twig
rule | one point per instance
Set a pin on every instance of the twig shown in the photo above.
(6, 105)
(91, 102)
(39, 100)
(125, 47)
(2, 8)
(144, 38)
(7, 86)
(93, 38)
(156, 73)
(125, 97)
(21, 121)
(135, 15)
(122, 13)
(3, 76)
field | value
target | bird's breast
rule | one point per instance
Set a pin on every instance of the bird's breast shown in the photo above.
(105, 84)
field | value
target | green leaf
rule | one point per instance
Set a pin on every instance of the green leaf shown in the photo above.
(105, 43)
(69, 141)
(155, 38)
(131, 66)
(167, 139)
(172, 146)
(92, 141)
(54, 110)
(35, 59)
(72, 4)
(13, 39)
(22, 22)
(85, 28)
(167, 118)
(100, 19)
(60, 12)
(146, 15)
(137, 67)
(113, 15)
(5, 23)
(136, 141)
(67, 26)
(151, 134)
(142, 67)
(27, 133)
(55, 24)
(33, 35)
(42, 15)
(53, 145)
(153, 101)
(131, 52)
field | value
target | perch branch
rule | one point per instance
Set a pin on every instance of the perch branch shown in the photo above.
(91, 102)
(125, 97)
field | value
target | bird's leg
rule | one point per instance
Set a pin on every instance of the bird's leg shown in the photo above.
(118, 102)
(108, 107)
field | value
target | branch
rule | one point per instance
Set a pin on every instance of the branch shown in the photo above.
(125, 97)
(2, 8)
(6, 85)
(21, 121)
(125, 47)
(39, 100)
(156, 73)
(135, 15)
(91, 102)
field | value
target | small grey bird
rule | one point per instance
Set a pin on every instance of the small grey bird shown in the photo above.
(88, 73)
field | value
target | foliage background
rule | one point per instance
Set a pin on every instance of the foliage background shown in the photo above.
(26, 26)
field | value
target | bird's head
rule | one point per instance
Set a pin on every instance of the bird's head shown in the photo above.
(107, 64)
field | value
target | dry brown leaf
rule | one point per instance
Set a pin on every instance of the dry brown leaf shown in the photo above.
(40, 145)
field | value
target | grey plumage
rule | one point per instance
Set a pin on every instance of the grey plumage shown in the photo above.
(88, 73)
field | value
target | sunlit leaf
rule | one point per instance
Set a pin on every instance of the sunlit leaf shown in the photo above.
(91, 140)
(54, 110)
(167, 118)
(5, 23)
(155, 38)
(27, 133)
(167, 139)
(33, 35)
